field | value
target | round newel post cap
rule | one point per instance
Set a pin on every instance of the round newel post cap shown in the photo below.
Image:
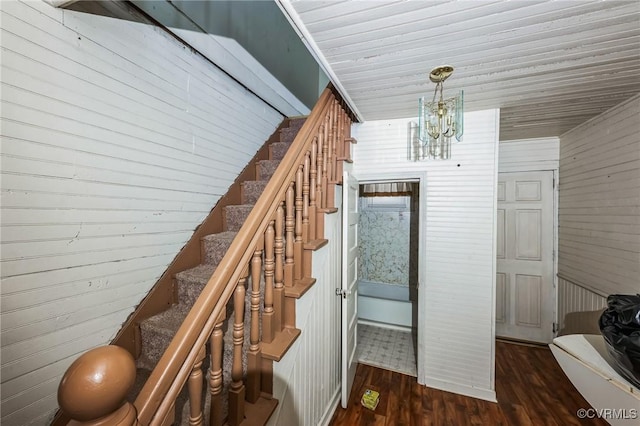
(96, 384)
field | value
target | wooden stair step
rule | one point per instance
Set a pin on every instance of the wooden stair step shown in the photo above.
(299, 287)
(328, 210)
(280, 344)
(346, 159)
(315, 244)
(259, 412)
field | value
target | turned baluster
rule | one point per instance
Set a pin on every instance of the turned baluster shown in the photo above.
(93, 389)
(278, 291)
(319, 160)
(215, 375)
(331, 159)
(289, 320)
(194, 385)
(269, 266)
(305, 198)
(319, 194)
(237, 391)
(297, 246)
(313, 173)
(334, 141)
(340, 146)
(330, 139)
(254, 352)
(325, 163)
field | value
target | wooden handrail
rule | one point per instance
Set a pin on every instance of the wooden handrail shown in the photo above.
(156, 399)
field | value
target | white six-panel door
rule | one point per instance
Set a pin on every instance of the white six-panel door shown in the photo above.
(524, 281)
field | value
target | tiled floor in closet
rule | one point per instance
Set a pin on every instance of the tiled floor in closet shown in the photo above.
(387, 348)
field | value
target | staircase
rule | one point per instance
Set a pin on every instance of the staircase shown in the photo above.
(207, 358)
(157, 331)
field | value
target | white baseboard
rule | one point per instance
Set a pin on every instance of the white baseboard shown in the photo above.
(485, 394)
(331, 408)
(384, 325)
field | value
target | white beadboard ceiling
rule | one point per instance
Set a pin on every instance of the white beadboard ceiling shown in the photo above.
(548, 65)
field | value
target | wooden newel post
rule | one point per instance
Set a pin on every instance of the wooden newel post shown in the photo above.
(93, 390)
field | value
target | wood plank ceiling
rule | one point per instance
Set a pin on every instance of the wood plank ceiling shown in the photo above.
(548, 65)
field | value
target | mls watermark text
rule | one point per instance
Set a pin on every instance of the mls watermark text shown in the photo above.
(607, 413)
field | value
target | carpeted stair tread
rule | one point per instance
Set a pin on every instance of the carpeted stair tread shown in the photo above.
(288, 134)
(190, 284)
(215, 246)
(297, 123)
(165, 323)
(235, 216)
(251, 190)
(277, 150)
(197, 274)
(156, 332)
(266, 168)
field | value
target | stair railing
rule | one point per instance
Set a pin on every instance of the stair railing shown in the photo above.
(273, 245)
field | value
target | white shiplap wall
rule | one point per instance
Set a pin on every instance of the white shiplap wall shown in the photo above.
(529, 155)
(599, 211)
(307, 379)
(116, 143)
(457, 295)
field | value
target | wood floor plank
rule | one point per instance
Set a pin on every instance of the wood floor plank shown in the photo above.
(531, 389)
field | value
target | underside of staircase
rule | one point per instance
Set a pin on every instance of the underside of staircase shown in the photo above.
(156, 332)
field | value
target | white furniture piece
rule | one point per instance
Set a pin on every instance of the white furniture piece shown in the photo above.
(586, 362)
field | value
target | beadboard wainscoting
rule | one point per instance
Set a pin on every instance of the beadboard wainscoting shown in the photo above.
(456, 322)
(117, 141)
(574, 298)
(307, 380)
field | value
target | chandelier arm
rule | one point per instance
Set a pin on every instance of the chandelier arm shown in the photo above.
(435, 92)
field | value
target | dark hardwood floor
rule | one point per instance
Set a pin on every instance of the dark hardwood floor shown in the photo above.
(530, 386)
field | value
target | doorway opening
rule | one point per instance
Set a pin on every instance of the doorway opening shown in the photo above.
(388, 241)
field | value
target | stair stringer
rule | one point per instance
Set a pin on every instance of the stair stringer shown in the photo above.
(164, 293)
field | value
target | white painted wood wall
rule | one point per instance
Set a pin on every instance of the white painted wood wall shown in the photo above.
(526, 155)
(307, 379)
(116, 143)
(460, 201)
(599, 212)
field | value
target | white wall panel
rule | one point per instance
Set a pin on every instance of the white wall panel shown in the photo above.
(599, 210)
(460, 203)
(307, 379)
(529, 154)
(116, 143)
